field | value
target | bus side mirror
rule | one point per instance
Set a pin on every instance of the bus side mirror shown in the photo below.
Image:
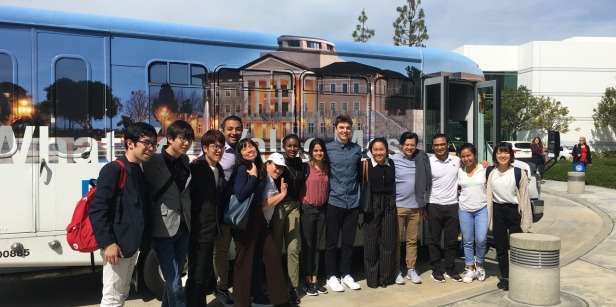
(554, 143)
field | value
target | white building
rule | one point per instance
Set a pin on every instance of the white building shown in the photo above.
(575, 71)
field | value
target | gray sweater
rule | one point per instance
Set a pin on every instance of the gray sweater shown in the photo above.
(413, 179)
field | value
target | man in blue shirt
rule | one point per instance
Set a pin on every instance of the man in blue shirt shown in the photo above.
(343, 207)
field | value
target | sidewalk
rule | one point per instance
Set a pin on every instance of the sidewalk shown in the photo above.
(588, 269)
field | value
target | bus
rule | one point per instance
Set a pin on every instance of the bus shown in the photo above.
(70, 83)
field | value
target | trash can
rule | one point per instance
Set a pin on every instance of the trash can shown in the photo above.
(576, 182)
(534, 272)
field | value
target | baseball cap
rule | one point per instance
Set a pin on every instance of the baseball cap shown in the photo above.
(278, 159)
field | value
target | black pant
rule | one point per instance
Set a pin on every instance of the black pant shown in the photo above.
(540, 166)
(200, 271)
(506, 222)
(311, 230)
(443, 219)
(380, 241)
(339, 221)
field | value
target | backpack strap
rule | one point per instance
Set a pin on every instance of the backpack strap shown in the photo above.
(121, 183)
(488, 171)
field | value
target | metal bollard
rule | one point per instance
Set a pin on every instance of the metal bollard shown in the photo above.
(534, 273)
(576, 182)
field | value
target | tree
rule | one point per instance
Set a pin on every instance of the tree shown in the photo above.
(605, 112)
(550, 115)
(410, 28)
(361, 33)
(137, 106)
(517, 110)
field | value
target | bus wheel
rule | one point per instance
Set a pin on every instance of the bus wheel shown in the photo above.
(152, 275)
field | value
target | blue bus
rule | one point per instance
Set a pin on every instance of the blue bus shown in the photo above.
(70, 82)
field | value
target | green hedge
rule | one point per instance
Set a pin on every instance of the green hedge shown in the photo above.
(601, 173)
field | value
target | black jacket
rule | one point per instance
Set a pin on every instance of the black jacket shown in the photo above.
(577, 150)
(124, 221)
(205, 200)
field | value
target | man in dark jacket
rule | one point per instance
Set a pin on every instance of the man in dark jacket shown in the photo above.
(119, 217)
(208, 180)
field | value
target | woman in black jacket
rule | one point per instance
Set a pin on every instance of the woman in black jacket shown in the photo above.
(256, 238)
(581, 152)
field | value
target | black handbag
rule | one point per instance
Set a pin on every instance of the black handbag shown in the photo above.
(365, 196)
(237, 214)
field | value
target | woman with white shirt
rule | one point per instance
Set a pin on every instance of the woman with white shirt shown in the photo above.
(473, 212)
(509, 209)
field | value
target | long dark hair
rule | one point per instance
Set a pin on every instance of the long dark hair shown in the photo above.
(239, 160)
(318, 141)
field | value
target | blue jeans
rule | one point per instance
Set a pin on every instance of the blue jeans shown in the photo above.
(474, 226)
(171, 254)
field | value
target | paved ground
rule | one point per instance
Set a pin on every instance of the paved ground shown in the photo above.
(584, 223)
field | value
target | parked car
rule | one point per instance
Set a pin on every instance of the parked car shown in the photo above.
(565, 152)
(521, 150)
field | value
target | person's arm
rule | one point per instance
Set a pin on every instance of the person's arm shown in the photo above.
(245, 183)
(274, 200)
(102, 211)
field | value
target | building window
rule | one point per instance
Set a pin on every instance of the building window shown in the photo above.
(332, 88)
(356, 106)
(178, 73)
(345, 107)
(345, 88)
(238, 91)
(355, 87)
(285, 90)
(310, 127)
(260, 108)
(321, 88)
(227, 92)
(228, 108)
(332, 106)
(238, 108)
(322, 127)
(294, 43)
(358, 125)
(313, 45)
(321, 107)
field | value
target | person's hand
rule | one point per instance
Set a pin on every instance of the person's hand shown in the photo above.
(485, 163)
(253, 170)
(283, 187)
(424, 212)
(112, 254)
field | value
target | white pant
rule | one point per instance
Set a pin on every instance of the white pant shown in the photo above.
(116, 280)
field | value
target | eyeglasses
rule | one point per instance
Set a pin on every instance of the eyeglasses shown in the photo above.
(149, 144)
(184, 139)
(217, 147)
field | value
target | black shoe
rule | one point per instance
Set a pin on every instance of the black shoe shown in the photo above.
(503, 284)
(310, 289)
(453, 275)
(320, 289)
(438, 276)
(294, 296)
(224, 296)
(262, 301)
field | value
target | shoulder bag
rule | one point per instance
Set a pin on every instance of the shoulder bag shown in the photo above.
(365, 196)
(237, 214)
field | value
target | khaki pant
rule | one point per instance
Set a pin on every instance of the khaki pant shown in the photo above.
(285, 226)
(221, 257)
(409, 219)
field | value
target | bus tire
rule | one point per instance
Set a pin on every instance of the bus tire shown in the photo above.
(152, 275)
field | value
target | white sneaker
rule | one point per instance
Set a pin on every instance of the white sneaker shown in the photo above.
(413, 276)
(350, 283)
(334, 284)
(481, 274)
(399, 279)
(469, 275)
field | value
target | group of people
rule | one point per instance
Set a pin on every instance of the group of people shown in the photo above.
(177, 205)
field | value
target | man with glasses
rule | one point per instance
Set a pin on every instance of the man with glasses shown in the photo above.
(413, 183)
(167, 176)
(206, 187)
(120, 235)
(232, 130)
(442, 209)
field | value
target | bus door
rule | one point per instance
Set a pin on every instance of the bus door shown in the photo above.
(325, 96)
(486, 128)
(263, 98)
(18, 150)
(436, 108)
(77, 106)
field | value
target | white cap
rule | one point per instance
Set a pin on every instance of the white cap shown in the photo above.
(277, 158)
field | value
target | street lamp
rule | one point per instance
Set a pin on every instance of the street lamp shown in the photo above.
(163, 115)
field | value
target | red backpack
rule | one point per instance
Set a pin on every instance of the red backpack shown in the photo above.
(79, 233)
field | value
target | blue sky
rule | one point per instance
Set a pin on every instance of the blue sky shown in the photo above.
(451, 23)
